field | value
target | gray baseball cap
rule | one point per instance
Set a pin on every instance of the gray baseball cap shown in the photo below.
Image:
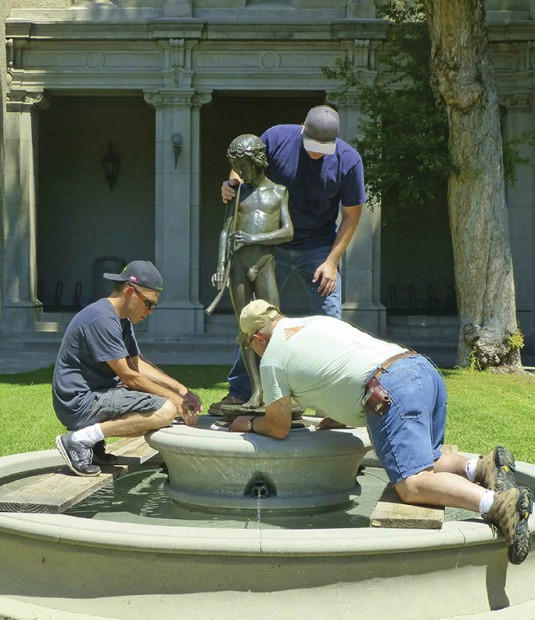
(141, 272)
(320, 129)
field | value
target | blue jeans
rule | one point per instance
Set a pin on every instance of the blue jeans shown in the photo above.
(409, 438)
(304, 262)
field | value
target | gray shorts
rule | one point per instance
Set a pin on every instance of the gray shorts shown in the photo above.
(113, 404)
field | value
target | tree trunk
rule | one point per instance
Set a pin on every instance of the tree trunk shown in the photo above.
(463, 80)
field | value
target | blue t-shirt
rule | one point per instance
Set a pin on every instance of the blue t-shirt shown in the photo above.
(316, 187)
(93, 337)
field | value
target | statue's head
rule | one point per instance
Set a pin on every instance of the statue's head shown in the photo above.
(248, 145)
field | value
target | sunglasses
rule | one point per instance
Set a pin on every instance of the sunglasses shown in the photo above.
(150, 305)
(249, 341)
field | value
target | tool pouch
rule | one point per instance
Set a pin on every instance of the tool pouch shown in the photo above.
(376, 399)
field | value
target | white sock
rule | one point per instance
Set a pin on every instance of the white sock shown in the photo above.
(471, 469)
(89, 435)
(486, 502)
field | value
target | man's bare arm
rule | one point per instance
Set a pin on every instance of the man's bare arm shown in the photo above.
(130, 374)
(326, 273)
(276, 423)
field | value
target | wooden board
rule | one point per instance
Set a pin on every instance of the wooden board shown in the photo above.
(391, 511)
(57, 491)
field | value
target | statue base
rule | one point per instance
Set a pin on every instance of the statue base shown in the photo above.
(233, 411)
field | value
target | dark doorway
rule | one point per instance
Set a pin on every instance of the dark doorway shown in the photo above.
(83, 224)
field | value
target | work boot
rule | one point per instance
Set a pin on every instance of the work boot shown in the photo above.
(76, 455)
(496, 470)
(215, 408)
(101, 457)
(510, 513)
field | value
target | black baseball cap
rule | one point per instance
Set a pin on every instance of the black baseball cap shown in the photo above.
(141, 272)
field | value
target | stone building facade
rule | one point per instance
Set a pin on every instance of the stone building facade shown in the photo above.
(163, 86)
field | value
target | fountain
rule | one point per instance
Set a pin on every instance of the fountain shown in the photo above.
(62, 565)
(307, 470)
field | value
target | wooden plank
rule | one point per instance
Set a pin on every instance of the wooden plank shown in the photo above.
(391, 511)
(57, 491)
(133, 450)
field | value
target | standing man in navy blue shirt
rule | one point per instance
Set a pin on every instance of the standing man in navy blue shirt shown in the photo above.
(323, 175)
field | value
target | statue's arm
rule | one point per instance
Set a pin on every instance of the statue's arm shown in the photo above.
(222, 252)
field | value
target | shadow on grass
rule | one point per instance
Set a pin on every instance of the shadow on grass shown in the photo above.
(208, 377)
(33, 377)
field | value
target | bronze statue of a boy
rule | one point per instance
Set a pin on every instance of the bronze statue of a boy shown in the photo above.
(258, 220)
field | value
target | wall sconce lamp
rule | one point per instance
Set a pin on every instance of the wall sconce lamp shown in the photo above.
(176, 141)
(110, 164)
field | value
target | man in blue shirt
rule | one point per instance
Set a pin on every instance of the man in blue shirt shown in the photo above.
(102, 387)
(322, 174)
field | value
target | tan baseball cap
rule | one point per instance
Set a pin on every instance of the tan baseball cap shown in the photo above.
(254, 316)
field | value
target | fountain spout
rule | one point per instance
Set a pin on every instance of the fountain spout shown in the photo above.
(259, 488)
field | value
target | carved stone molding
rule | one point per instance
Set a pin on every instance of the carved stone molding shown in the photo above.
(177, 98)
(25, 101)
(517, 101)
(177, 70)
(201, 98)
(169, 98)
(349, 100)
(361, 53)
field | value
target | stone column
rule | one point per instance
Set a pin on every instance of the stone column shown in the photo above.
(21, 306)
(177, 211)
(520, 197)
(361, 266)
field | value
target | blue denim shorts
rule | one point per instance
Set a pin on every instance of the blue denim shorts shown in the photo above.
(114, 403)
(409, 438)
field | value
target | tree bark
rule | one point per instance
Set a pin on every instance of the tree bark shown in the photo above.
(463, 81)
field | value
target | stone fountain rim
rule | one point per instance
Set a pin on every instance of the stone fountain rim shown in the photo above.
(179, 540)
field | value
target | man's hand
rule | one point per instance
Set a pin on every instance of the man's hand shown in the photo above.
(327, 275)
(239, 424)
(189, 416)
(190, 408)
(228, 190)
(193, 401)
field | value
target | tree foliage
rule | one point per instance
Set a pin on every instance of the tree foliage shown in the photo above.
(404, 136)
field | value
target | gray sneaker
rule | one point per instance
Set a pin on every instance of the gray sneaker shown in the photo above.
(76, 455)
(496, 470)
(510, 513)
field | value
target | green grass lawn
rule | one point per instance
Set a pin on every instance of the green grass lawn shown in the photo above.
(484, 409)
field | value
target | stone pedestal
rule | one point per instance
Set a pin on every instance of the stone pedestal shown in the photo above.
(218, 470)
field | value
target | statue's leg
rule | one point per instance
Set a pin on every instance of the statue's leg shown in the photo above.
(266, 283)
(241, 293)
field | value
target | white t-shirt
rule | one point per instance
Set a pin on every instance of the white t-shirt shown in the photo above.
(322, 363)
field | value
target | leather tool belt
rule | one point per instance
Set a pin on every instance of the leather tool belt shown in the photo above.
(376, 399)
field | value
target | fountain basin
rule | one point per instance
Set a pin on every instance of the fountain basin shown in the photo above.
(216, 469)
(59, 566)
